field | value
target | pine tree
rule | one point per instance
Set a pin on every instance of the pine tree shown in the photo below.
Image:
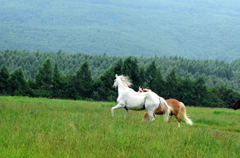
(56, 81)
(158, 84)
(4, 80)
(130, 68)
(151, 73)
(23, 83)
(201, 93)
(118, 67)
(69, 90)
(142, 77)
(15, 89)
(127, 67)
(135, 77)
(44, 79)
(84, 82)
(171, 85)
(185, 91)
(32, 87)
(19, 85)
(103, 85)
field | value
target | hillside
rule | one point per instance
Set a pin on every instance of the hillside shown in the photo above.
(190, 29)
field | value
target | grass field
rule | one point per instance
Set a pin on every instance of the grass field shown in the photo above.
(37, 127)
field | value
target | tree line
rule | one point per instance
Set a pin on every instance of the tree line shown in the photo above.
(49, 82)
(215, 72)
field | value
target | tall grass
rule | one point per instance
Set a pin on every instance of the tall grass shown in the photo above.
(37, 127)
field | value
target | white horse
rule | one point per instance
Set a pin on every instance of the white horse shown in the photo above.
(131, 100)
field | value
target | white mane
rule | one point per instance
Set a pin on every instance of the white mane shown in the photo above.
(125, 80)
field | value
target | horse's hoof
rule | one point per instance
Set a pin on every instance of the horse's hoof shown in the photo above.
(178, 125)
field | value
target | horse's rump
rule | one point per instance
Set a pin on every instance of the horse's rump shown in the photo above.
(173, 103)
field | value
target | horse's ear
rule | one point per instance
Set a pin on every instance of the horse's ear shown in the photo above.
(139, 88)
(116, 75)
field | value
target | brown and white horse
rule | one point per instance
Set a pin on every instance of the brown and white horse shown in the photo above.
(178, 107)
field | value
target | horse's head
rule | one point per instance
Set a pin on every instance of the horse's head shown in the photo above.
(115, 84)
(236, 105)
(121, 80)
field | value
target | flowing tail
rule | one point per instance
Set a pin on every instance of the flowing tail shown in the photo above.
(184, 114)
(168, 110)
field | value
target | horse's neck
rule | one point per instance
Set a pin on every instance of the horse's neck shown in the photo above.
(122, 88)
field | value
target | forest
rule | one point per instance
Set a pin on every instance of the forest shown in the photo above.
(215, 72)
(204, 29)
(49, 81)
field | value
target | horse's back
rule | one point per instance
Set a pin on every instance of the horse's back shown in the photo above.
(172, 101)
(132, 100)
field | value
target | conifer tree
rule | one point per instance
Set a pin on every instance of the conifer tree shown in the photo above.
(151, 73)
(44, 79)
(127, 67)
(158, 84)
(32, 87)
(185, 91)
(4, 80)
(19, 85)
(56, 81)
(103, 85)
(142, 77)
(69, 90)
(23, 83)
(201, 93)
(171, 85)
(118, 67)
(84, 82)
(15, 89)
(130, 68)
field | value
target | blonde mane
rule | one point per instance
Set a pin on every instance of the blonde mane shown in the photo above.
(125, 80)
(145, 90)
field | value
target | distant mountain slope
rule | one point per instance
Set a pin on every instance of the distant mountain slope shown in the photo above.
(205, 29)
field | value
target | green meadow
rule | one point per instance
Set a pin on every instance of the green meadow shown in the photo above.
(38, 127)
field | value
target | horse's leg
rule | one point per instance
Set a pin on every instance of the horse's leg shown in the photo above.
(145, 116)
(152, 102)
(126, 112)
(151, 115)
(179, 119)
(169, 119)
(116, 107)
